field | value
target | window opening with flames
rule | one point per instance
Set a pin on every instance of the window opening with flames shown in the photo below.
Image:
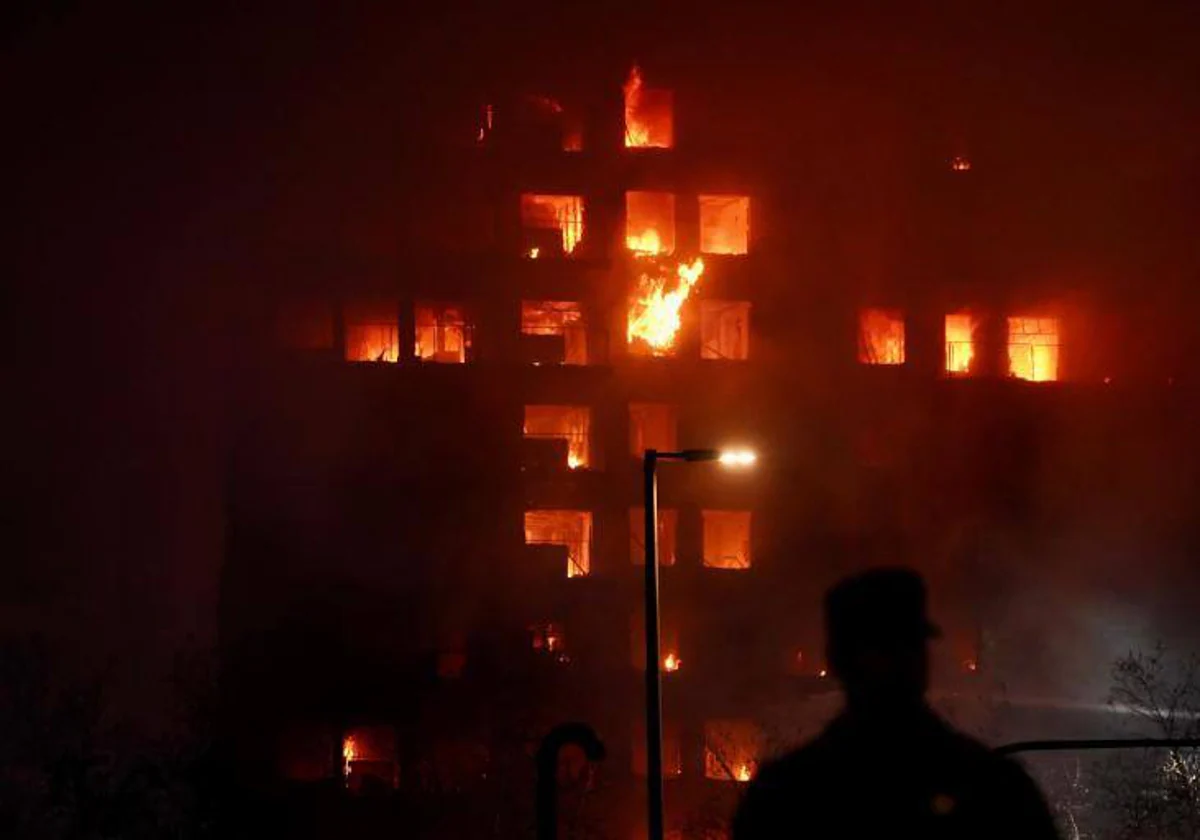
(651, 426)
(649, 114)
(571, 423)
(442, 333)
(557, 318)
(650, 222)
(561, 214)
(727, 539)
(668, 526)
(724, 224)
(960, 343)
(372, 332)
(725, 330)
(569, 528)
(1033, 345)
(369, 759)
(881, 337)
(731, 750)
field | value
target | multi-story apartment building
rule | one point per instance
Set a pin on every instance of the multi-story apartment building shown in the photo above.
(435, 538)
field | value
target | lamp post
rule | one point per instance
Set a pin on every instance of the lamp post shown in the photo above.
(654, 775)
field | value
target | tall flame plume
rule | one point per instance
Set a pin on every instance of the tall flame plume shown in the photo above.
(654, 311)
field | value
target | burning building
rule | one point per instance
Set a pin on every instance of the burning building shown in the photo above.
(438, 494)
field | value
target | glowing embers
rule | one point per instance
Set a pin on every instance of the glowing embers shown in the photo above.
(960, 343)
(668, 526)
(881, 337)
(442, 333)
(369, 759)
(654, 312)
(731, 750)
(724, 224)
(727, 539)
(548, 639)
(1033, 348)
(561, 214)
(650, 222)
(725, 330)
(569, 423)
(372, 332)
(569, 528)
(651, 426)
(553, 318)
(672, 751)
(649, 114)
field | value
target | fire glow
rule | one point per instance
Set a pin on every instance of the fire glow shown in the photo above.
(649, 117)
(671, 663)
(654, 312)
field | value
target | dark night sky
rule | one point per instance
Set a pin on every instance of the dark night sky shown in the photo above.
(158, 154)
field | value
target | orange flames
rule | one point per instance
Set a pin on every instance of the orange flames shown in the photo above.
(646, 243)
(654, 318)
(960, 343)
(671, 663)
(349, 753)
(1033, 348)
(649, 118)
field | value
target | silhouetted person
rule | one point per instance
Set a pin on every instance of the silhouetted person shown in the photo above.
(888, 766)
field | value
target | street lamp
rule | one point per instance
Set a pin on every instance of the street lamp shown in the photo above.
(654, 774)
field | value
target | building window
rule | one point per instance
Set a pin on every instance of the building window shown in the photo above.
(372, 332)
(649, 114)
(731, 749)
(305, 325)
(881, 337)
(569, 528)
(559, 215)
(668, 523)
(650, 222)
(727, 539)
(1033, 349)
(569, 423)
(724, 330)
(651, 426)
(960, 343)
(724, 224)
(672, 751)
(369, 759)
(557, 330)
(442, 333)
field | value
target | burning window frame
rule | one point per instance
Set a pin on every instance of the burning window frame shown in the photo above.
(371, 332)
(668, 536)
(881, 336)
(732, 749)
(655, 316)
(552, 211)
(734, 234)
(959, 351)
(649, 114)
(577, 430)
(558, 318)
(578, 545)
(717, 316)
(716, 521)
(433, 323)
(650, 228)
(1027, 335)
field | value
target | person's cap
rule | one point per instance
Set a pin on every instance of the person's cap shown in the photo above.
(878, 605)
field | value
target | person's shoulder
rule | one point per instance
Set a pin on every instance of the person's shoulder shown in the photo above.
(802, 762)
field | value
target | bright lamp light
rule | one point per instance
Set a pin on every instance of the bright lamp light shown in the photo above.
(737, 457)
